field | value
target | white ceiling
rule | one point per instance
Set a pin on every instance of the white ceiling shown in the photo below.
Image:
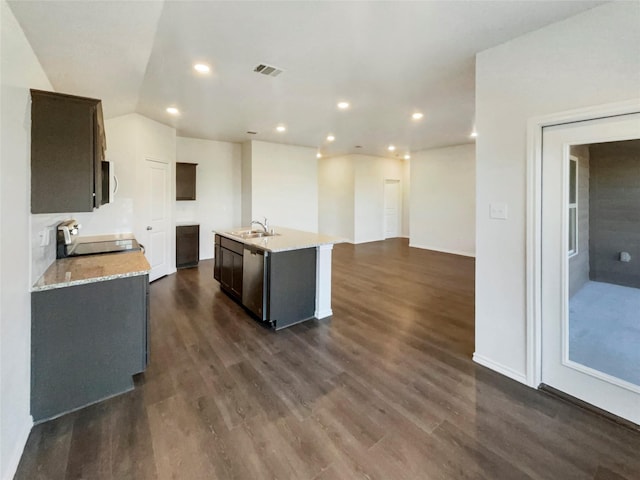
(388, 59)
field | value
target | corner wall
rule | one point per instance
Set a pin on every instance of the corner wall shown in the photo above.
(442, 213)
(336, 197)
(561, 67)
(352, 195)
(20, 72)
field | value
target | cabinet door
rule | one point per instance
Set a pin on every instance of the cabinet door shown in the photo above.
(186, 181)
(99, 147)
(217, 260)
(187, 245)
(86, 351)
(226, 268)
(236, 282)
(64, 153)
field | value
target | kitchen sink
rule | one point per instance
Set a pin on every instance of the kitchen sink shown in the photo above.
(252, 234)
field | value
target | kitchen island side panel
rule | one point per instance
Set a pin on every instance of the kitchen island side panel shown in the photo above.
(86, 343)
(292, 286)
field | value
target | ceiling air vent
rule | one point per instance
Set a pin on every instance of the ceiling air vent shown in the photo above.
(267, 70)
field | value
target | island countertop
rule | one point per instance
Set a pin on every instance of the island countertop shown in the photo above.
(66, 272)
(285, 239)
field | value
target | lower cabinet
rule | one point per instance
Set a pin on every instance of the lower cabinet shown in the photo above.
(187, 245)
(278, 288)
(228, 266)
(86, 343)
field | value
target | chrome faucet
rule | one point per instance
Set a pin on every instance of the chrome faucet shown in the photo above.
(264, 225)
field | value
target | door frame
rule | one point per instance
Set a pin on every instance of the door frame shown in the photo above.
(533, 272)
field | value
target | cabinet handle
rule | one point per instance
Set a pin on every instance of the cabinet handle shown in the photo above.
(149, 228)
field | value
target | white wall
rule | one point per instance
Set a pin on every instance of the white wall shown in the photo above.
(218, 188)
(589, 59)
(336, 182)
(20, 71)
(406, 199)
(443, 200)
(352, 195)
(284, 185)
(245, 174)
(370, 174)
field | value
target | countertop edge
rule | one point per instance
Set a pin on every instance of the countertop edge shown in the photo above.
(250, 241)
(85, 281)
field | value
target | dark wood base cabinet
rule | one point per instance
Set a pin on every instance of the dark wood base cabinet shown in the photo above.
(187, 246)
(87, 341)
(285, 281)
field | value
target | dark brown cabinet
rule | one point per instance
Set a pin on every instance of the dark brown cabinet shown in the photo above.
(67, 149)
(186, 181)
(84, 351)
(187, 245)
(228, 266)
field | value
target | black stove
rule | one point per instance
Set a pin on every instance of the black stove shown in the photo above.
(109, 246)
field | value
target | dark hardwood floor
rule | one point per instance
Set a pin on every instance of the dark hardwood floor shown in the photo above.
(385, 389)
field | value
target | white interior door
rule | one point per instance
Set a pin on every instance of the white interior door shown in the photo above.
(391, 208)
(559, 370)
(157, 195)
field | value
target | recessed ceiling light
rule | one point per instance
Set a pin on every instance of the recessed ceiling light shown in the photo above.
(407, 156)
(474, 134)
(281, 128)
(330, 138)
(202, 68)
(417, 116)
(318, 155)
(343, 105)
(391, 148)
(173, 110)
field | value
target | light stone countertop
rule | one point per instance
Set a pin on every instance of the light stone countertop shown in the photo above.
(287, 239)
(66, 272)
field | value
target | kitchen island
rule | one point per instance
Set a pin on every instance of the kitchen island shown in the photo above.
(282, 277)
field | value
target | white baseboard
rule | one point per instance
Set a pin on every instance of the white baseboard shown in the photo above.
(443, 250)
(320, 314)
(501, 369)
(14, 460)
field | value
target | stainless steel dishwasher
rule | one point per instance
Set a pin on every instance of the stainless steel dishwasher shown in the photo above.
(253, 281)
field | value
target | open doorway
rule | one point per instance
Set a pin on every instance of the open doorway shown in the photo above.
(604, 258)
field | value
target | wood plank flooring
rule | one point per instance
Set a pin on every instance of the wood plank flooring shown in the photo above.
(385, 389)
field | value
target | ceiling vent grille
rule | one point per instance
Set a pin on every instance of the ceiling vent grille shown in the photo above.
(267, 70)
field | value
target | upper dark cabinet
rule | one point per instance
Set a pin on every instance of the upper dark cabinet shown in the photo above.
(67, 149)
(186, 181)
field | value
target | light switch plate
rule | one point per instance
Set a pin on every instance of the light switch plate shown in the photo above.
(44, 237)
(498, 211)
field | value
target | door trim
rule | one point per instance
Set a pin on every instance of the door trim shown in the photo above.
(533, 314)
